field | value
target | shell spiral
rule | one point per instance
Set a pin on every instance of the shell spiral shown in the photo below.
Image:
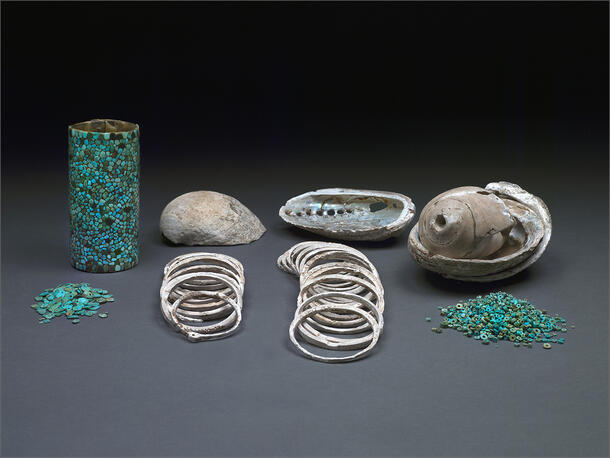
(465, 223)
(475, 234)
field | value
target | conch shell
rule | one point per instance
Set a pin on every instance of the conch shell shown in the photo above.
(475, 234)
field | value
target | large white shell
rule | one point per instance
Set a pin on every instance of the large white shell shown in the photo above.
(528, 245)
(350, 214)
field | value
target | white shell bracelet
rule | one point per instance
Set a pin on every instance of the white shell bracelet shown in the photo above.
(201, 287)
(340, 295)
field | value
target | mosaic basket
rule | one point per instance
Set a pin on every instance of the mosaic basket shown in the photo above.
(104, 169)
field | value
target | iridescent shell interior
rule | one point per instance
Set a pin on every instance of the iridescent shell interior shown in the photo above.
(339, 212)
(342, 210)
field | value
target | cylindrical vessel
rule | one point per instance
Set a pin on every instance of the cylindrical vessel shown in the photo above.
(104, 169)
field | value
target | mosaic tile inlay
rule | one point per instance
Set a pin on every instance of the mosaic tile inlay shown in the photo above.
(104, 170)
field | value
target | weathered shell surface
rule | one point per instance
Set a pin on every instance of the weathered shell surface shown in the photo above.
(350, 214)
(209, 218)
(476, 234)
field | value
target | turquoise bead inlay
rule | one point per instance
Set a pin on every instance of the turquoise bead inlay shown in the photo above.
(104, 170)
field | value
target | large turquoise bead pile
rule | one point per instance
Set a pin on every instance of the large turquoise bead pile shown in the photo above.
(501, 316)
(104, 198)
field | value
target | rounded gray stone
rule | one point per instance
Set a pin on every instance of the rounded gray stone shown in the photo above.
(209, 218)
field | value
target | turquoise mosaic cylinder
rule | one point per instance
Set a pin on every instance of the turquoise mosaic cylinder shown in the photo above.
(104, 170)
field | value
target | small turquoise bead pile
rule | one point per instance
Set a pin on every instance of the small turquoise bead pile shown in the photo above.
(501, 316)
(72, 300)
(104, 195)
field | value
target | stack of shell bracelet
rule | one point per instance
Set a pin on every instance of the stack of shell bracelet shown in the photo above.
(201, 287)
(341, 295)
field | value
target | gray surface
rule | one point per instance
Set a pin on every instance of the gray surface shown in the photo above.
(128, 385)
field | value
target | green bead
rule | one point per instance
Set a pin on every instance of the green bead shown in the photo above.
(71, 300)
(501, 316)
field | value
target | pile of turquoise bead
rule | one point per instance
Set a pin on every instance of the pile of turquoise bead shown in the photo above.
(501, 316)
(72, 300)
